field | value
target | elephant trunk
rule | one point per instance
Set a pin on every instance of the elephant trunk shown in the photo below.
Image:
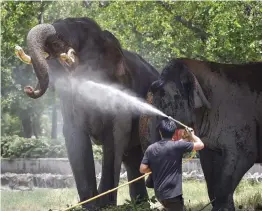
(35, 42)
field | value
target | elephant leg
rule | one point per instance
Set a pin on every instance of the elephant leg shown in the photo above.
(235, 165)
(115, 142)
(224, 183)
(238, 154)
(107, 175)
(242, 166)
(211, 162)
(132, 160)
(81, 159)
(207, 160)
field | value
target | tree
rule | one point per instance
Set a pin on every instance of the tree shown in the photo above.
(17, 19)
(161, 30)
(227, 32)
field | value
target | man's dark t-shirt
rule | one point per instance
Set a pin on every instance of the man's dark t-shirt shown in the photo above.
(164, 158)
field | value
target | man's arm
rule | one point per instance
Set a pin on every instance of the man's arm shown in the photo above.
(198, 144)
(144, 166)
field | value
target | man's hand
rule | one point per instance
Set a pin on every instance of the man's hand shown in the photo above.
(144, 169)
(188, 134)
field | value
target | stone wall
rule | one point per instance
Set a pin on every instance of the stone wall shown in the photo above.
(62, 166)
(25, 174)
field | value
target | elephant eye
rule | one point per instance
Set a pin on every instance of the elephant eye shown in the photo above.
(55, 45)
(172, 89)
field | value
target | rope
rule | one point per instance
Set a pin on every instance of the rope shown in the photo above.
(207, 204)
(120, 186)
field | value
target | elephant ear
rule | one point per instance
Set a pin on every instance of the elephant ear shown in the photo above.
(197, 97)
(114, 53)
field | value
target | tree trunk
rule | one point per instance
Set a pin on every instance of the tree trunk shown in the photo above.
(54, 118)
(41, 15)
(36, 125)
(27, 125)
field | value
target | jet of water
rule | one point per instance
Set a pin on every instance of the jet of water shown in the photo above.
(111, 99)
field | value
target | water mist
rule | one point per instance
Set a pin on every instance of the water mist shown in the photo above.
(111, 99)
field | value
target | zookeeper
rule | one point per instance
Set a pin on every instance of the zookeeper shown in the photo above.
(164, 159)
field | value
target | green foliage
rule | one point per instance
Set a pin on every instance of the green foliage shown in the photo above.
(18, 147)
(17, 18)
(42, 147)
(10, 125)
(129, 205)
(160, 30)
(187, 155)
(97, 151)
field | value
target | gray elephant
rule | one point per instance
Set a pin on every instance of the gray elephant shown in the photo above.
(78, 48)
(223, 103)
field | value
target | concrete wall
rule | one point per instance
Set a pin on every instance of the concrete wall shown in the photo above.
(40, 166)
(62, 166)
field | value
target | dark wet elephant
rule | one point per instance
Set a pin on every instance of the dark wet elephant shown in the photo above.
(79, 48)
(223, 103)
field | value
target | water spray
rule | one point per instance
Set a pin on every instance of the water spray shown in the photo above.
(116, 101)
(174, 120)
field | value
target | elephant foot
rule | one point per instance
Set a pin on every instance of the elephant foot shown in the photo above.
(223, 207)
(224, 202)
(87, 207)
(100, 204)
(91, 206)
(107, 200)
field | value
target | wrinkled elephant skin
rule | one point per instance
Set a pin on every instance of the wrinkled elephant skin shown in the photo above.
(223, 102)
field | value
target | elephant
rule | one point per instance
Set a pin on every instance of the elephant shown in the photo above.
(78, 48)
(222, 102)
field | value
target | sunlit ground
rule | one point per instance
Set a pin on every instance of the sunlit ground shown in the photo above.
(247, 195)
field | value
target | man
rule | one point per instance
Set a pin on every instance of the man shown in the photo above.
(164, 159)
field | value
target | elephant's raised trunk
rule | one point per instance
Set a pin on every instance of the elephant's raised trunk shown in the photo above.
(35, 42)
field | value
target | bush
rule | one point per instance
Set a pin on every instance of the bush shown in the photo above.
(19, 147)
(10, 124)
(98, 152)
(189, 154)
(42, 147)
(127, 206)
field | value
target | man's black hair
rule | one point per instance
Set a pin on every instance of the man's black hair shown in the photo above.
(167, 128)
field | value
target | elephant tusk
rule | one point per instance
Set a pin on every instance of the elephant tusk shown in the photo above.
(68, 57)
(71, 54)
(22, 56)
